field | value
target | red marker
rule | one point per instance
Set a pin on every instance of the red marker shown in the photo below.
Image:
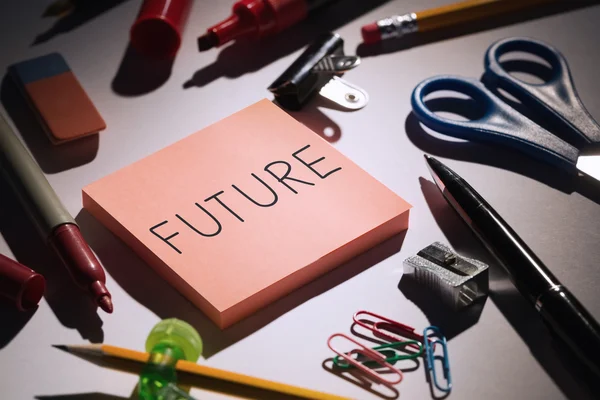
(52, 219)
(159, 26)
(256, 19)
(19, 284)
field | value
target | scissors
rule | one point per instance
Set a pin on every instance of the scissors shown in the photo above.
(502, 124)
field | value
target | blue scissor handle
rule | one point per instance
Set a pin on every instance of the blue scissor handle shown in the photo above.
(556, 98)
(501, 124)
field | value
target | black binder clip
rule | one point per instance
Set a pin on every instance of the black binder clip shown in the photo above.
(318, 69)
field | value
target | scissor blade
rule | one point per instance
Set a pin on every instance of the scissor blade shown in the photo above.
(589, 161)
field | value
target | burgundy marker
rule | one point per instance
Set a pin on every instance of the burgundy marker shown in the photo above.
(256, 19)
(52, 219)
(19, 284)
(82, 264)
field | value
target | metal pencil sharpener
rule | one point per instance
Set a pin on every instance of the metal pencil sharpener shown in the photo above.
(458, 281)
(318, 70)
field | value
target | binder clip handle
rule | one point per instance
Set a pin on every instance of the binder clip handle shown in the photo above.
(318, 70)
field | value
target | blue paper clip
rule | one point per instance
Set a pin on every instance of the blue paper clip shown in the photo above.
(432, 335)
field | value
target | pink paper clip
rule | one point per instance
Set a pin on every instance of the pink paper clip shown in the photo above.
(371, 355)
(387, 328)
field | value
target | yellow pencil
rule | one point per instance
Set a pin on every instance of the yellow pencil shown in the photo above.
(442, 17)
(186, 367)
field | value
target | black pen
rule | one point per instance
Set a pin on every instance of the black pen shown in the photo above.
(558, 308)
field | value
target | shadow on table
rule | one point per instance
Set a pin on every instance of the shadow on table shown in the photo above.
(148, 288)
(220, 387)
(51, 158)
(245, 56)
(313, 118)
(492, 155)
(86, 396)
(138, 75)
(71, 305)
(496, 21)
(13, 321)
(83, 12)
(573, 379)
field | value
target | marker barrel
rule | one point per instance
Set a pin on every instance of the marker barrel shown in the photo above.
(159, 27)
(19, 284)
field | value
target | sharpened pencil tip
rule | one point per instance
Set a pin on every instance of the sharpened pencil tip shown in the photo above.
(60, 347)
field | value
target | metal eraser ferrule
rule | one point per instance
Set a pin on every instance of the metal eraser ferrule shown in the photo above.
(398, 25)
(457, 280)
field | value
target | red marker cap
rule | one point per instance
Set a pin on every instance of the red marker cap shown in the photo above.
(159, 26)
(20, 284)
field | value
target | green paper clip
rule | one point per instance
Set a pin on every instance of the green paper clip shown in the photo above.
(385, 349)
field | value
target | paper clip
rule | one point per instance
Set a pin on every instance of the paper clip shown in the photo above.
(382, 349)
(371, 355)
(387, 328)
(433, 336)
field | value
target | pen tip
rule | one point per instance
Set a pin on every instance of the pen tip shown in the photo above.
(60, 347)
(106, 304)
(207, 41)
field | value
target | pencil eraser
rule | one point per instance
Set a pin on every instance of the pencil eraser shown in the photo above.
(371, 33)
(58, 99)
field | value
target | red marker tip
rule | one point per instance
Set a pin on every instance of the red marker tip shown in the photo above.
(208, 41)
(105, 303)
(371, 33)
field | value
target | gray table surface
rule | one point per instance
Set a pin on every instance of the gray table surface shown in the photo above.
(499, 350)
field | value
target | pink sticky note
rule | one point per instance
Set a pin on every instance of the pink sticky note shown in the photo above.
(243, 212)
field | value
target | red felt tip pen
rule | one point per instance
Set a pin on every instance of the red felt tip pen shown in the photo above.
(52, 219)
(256, 19)
(19, 284)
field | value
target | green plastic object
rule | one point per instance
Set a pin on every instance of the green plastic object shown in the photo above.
(169, 341)
(390, 351)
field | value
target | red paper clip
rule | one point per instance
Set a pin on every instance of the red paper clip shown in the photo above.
(371, 355)
(387, 328)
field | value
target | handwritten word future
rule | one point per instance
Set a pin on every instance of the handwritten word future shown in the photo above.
(281, 171)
